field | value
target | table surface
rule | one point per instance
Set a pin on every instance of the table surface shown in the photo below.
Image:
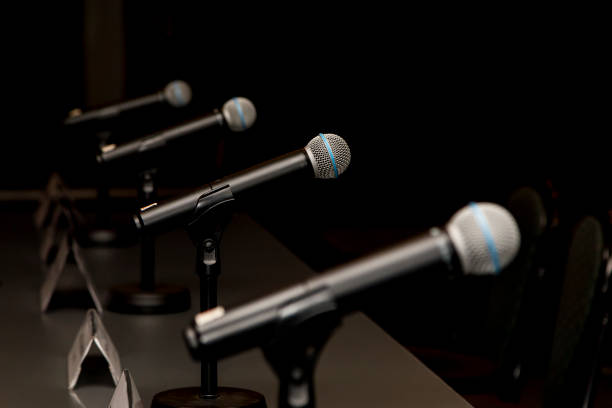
(361, 366)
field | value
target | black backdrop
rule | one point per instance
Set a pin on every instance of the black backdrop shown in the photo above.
(439, 105)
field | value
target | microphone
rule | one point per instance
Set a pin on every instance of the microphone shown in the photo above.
(238, 114)
(176, 93)
(480, 239)
(326, 155)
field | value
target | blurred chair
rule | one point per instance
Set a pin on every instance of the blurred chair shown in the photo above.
(580, 320)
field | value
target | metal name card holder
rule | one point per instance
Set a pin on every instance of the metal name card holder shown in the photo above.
(49, 240)
(126, 395)
(91, 332)
(76, 401)
(68, 251)
(58, 248)
(61, 216)
(55, 188)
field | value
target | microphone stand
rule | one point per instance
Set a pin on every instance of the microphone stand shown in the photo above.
(294, 353)
(102, 232)
(147, 297)
(213, 213)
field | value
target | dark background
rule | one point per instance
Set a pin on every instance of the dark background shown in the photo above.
(439, 105)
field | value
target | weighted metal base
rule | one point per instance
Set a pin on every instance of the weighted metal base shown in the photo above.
(101, 236)
(190, 397)
(131, 299)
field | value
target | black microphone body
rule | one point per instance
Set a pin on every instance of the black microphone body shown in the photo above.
(176, 93)
(325, 156)
(238, 114)
(180, 210)
(116, 109)
(261, 173)
(338, 291)
(479, 239)
(157, 140)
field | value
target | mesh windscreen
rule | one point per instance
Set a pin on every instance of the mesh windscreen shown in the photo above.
(239, 114)
(177, 93)
(323, 165)
(470, 241)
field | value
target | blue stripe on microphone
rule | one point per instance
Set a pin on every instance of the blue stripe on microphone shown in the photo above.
(331, 155)
(178, 93)
(240, 113)
(486, 231)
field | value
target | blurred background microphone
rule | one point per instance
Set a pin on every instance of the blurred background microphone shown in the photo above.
(176, 93)
(481, 238)
(238, 114)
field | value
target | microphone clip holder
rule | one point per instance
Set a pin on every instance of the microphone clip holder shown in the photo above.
(293, 356)
(212, 214)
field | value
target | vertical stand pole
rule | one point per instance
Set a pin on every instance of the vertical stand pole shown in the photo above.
(147, 193)
(208, 270)
(147, 296)
(103, 196)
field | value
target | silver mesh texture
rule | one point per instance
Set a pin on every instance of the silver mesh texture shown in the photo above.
(321, 160)
(178, 93)
(470, 240)
(239, 114)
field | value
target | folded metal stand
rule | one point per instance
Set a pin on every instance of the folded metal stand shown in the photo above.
(126, 395)
(92, 332)
(67, 251)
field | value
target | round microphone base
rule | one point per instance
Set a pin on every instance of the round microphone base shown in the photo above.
(132, 299)
(102, 236)
(98, 236)
(106, 237)
(190, 397)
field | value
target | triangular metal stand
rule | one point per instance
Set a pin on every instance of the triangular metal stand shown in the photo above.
(68, 249)
(92, 331)
(75, 400)
(56, 213)
(55, 189)
(126, 395)
(50, 232)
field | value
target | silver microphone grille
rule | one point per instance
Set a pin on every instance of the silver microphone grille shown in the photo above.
(329, 155)
(177, 93)
(485, 236)
(239, 114)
